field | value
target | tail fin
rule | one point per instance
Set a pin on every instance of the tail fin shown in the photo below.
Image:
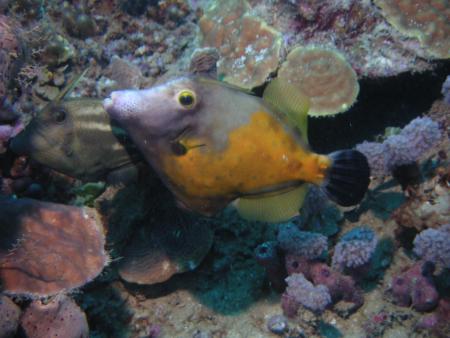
(348, 177)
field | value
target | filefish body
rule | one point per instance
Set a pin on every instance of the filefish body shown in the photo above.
(76, 137)
(212, 143)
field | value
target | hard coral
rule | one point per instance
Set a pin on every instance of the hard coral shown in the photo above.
(48, 248)
(324, 76)
(426, 20)
(249, 48)
(61, 317)
(433, 245)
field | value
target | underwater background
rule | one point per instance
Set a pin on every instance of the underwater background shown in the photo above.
(93, 241)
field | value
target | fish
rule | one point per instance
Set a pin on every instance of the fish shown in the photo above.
(76, 137)
(214, 144)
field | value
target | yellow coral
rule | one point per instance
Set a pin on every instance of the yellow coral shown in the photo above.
(427, 20)
(324, 76)
(249, 49)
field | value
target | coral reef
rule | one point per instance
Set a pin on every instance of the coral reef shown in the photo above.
(414, 140)
(437, 321)
(61, 317)
(249, 49)
(324, 76)
(414, 287)
(48, 248)
(301, 291)
(173, 245)
(339, 286)
(10, 53)
(433, 245)
(9, 317)
(446, 90)
(301, 243)
(319, 214)
(267, 255)
(355, 248)
(425, 20)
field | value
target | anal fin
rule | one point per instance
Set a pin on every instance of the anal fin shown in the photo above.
(274, 208)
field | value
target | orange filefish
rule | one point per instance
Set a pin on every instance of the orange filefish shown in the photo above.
(212, 143)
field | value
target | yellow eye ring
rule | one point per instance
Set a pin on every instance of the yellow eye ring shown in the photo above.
(186, 98)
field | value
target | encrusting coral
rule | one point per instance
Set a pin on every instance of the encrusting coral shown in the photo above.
(61, 317)
(324, 76)
(48, 248)
(426, 20)
(249, 49)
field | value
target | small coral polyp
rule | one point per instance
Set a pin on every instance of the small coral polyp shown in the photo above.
(324, 76)
(426, 20)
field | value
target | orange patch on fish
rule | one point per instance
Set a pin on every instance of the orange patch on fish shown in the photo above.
(259, 154)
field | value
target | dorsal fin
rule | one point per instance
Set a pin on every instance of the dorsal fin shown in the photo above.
(284, 98)
(70, 86)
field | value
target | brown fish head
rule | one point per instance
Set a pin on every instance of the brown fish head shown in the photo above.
(48, 137)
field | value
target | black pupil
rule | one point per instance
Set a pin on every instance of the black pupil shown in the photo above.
(186, 99)
(60, 116)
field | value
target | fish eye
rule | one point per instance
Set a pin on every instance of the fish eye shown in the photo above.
(186, 98)
(59, 116)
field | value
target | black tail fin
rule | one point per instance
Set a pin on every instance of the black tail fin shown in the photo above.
(348, 177)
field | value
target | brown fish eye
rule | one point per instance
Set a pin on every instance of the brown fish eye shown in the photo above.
(186, 98)
(59, 116)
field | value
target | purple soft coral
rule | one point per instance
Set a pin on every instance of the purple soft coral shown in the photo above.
(434, 245)
(301, 291)
(419, 136)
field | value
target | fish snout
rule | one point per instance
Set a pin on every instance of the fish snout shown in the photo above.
(122, 104)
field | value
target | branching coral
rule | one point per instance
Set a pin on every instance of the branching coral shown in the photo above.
(47, 248)
(427, 20)
(324, 76)
(249, 48)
